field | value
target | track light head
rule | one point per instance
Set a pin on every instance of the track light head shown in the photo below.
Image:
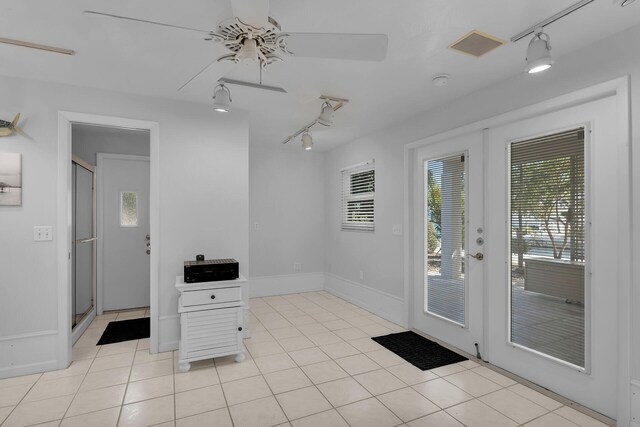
(307, 140)
(326, 114)
(221, 99)
(539, 53)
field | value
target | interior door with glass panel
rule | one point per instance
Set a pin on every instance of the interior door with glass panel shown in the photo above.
(551, 272)
(448, 277)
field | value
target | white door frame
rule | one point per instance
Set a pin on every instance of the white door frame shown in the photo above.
(619, 88)
(100, 220)
(65, 120)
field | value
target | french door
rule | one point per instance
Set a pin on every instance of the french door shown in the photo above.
(551, 276)
(448, 212)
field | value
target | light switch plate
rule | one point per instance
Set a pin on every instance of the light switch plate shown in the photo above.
(42, 233)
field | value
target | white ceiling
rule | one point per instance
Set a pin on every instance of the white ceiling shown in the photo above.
(156, 61)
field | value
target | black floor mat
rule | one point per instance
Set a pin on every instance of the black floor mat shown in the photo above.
(419, 351)
(126, 330)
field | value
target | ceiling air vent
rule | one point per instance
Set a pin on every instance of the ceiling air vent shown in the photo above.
(476, 44)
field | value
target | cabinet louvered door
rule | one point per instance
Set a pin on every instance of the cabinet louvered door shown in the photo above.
(212, 332)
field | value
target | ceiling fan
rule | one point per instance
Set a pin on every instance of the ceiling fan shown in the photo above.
(252, 35)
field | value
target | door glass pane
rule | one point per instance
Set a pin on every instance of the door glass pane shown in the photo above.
(129, 209)
(444, 237)
(548, 245)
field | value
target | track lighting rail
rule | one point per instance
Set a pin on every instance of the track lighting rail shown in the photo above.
(251, 85)
(551, 19)
(338, 103)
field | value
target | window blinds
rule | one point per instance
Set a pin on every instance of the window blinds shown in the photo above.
(547, 194)
(548, 245)
(358, 189)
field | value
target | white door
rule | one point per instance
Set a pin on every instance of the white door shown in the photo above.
(552, 259)
(448, 280)
(124, 270)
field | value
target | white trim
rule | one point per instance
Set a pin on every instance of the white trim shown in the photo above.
(358, 165)
(264, 286)
(29, 335)
(27, 347)
(65, 119)
(380, 303)
(169, 338)
(28, 368)
(81, 327)
(619, 88)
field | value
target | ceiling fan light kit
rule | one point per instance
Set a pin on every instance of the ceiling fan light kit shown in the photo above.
(221, 99)
(251, 35)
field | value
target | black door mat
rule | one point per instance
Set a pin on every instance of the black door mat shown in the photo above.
(419, 351)
(126, 330)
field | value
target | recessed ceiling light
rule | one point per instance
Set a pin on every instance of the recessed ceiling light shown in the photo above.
(441, 79)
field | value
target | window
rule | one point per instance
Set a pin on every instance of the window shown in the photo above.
(128, 209)
(358, 189)
(548, 243)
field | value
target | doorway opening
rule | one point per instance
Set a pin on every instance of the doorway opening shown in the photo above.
(110, 224)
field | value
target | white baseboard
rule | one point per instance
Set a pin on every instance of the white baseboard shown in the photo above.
(267, 286)
(168, 332)
(380, 303)
(28, 369)
(635, 403)
(169, 346)
(29, 353)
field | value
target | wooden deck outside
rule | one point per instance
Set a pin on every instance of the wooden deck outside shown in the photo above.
(540, 322)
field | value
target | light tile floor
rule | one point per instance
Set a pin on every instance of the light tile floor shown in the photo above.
(310, 362)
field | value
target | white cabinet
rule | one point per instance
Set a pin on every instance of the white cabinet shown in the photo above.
(211, 320)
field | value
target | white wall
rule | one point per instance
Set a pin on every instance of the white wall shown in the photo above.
(286, 201)
(89, 140)
(204, 193)
(347, 252)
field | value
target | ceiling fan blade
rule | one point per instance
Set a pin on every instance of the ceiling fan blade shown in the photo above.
(357, 47)
(289, 80)
(251, 12)
(30, 45)
(220, 70)
(144, 21)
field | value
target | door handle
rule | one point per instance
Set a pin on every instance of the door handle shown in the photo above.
(87, 240)
(479, 256)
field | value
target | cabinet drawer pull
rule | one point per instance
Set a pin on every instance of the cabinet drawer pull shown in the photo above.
(213, 297)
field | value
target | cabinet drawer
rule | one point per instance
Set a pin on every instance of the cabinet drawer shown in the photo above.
(211, 296)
